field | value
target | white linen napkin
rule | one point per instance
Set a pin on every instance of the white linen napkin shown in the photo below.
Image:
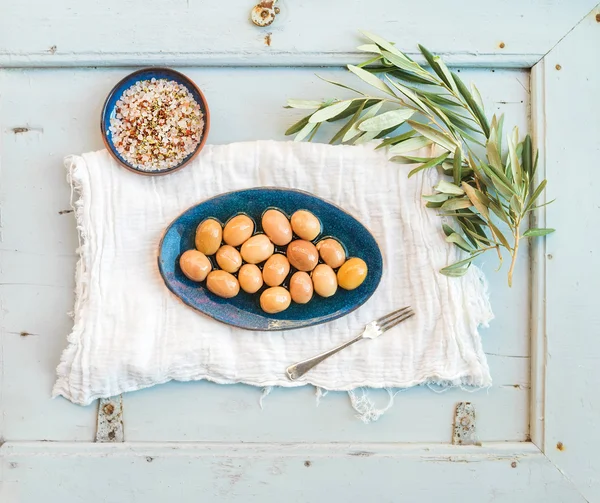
(130, 332)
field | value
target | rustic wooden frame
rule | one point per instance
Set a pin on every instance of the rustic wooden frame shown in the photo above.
(555, 466)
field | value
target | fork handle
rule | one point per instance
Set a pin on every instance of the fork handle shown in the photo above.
(299, 369)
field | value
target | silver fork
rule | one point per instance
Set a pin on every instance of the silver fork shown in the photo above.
(371, 331)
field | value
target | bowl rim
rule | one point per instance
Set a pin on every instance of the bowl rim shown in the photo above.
(200, 145)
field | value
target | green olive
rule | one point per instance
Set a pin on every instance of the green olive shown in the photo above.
(352, 274)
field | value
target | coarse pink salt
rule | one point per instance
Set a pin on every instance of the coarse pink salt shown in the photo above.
(157, 124)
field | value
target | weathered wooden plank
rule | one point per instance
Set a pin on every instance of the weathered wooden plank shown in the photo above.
(299, 472)
(571, 77)
(190, 32)
(37, 256)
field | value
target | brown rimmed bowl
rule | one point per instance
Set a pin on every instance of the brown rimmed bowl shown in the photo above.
(110, 105)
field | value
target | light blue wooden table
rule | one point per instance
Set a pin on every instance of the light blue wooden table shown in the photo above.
(536, 62)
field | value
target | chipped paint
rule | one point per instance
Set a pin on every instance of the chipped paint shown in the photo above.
(464, 425)
(263, 13)
(110, 420)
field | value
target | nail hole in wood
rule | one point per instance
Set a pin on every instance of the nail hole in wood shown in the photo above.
(502, 45)
(558, 67)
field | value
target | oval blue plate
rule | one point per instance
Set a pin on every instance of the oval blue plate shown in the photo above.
(110, 105)
(244, 310)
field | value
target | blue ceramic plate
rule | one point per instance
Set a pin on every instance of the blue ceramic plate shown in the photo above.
(244, 310)
(109, 111)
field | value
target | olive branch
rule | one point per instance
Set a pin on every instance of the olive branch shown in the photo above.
(488, 187)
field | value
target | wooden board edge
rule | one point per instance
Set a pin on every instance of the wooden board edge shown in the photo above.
(249, 59)
(537, 258)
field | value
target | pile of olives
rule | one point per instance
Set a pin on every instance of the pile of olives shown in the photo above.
(256, 262)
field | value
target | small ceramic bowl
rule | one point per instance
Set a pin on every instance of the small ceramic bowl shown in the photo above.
(109, 111)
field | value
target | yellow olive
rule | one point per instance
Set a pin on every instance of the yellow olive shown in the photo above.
(195, 265)
(277, 227)
(306, 225)
(302, 255)
(257, 249)
(352, 273)
(301, 287)
(275, 270)
(208, 236)
(324, 281)
(228, 258)
(332, 252)
(238, 230)
(275, 299)
(250, 278)
(223, 284)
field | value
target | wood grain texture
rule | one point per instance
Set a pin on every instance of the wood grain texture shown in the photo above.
(571, 74)
(59, 111)
(192, 32)
(185, 472)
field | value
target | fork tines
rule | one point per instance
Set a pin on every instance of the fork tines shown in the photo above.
(392, 319)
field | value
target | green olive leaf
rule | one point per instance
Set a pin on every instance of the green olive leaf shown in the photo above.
(386, 120)
(457, 203)
(457, 167)
(537, 232)
(459, 241)
(409, 94)
(371, 79)
(369, 48)
(449, 188)
(476, 198)
(304, 104)
(366, 137)
(383, 43)
(535, 195)
(462, 89)
(515, 166)
(329, 112)
(410, 145)
(436, 198)
(434, 135)
(447, 229)
(477, 97)
(343, 86)
(293, 129)
(305, 132)
(340, 134)
(396, 139)
(353, 130)
(429, 164)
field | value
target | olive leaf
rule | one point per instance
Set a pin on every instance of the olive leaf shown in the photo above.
(371, 79)
(428, 164)
(305, 131)
(449, 188)
(329, 112)
(304, 104)
(459, 241)
(410, 145)
(386, 120)
(537, 232)
(457, 203)
(434, 135)
(353, 130)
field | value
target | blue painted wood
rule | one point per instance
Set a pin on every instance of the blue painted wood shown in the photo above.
(244, 310)
(116, 93)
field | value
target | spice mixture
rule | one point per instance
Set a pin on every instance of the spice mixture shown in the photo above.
(157, 124)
